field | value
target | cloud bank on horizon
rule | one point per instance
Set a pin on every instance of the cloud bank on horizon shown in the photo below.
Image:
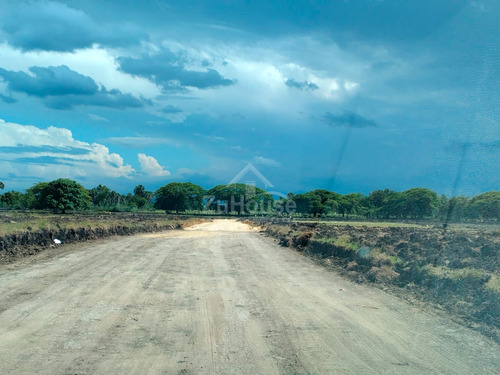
(346, 96)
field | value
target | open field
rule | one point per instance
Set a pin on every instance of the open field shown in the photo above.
(218, 298)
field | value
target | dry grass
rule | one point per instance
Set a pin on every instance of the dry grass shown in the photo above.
(456, 274)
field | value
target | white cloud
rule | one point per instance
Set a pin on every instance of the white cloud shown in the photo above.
(266, 161)
(151, 167)
(97, 63)
(26, 150)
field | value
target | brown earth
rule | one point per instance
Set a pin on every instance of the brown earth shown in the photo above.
(219, 298)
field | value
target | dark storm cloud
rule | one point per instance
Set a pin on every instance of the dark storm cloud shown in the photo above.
(7, 99)
(168, 71)
(53, 80)
(301, 85)
(103, 98)
(52, 26)
(63, 88)
(348, 119)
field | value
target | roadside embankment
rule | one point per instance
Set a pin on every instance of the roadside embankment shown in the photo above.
(456, 270)
(28, 234)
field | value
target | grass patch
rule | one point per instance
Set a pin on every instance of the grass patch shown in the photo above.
(384, 258)
(456, 274)
(494, 283)
(342, 241)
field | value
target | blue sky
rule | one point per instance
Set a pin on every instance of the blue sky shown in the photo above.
(350, 96)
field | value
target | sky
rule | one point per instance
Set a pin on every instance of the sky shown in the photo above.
(349, 96)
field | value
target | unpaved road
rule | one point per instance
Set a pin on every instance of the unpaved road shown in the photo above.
(216, 299)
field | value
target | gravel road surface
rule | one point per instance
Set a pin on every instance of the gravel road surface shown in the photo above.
(218, 298)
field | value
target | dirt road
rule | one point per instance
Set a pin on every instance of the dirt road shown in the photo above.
(216, 299)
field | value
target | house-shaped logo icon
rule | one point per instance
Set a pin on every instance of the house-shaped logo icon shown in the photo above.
(249, 168)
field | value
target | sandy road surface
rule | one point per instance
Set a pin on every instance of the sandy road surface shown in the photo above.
(218, 299)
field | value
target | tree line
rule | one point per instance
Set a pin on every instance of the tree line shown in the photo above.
(64, 195)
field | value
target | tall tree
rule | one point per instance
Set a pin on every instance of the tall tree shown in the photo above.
(420, 202)
(64, 195)
(486, 205)
(141, 197)
(308, 203)
(179, 196)
(100, 195)
(36, 195)
(13, 199)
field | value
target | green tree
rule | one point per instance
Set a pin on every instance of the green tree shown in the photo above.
(2, 186)
(64, 195)
(179, 196)
(378, 202)
(419, 202)
(453, 209)
(485, 206)
(141, 197)
(100, 196)
(13, 199)
(317, 202)
(36, 196)
(349, 203)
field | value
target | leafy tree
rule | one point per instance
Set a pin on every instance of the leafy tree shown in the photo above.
(13, 199)
(179, 196)
(308, 203)
(486, 206)
(100, 195)
(317, 202)
(36, 196)
(64, 195)
(349, 203)
(2, 186)
(453, 209)
(395, 206)
(377, 202)
(419, 202)
(141, 197)
(241, 197)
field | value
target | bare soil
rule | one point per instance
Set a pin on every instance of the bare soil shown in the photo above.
(218, 298)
